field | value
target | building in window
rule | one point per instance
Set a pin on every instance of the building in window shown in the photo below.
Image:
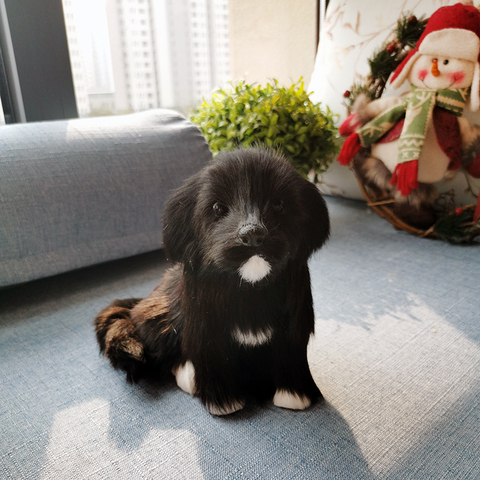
(144, 53)
(88, 43)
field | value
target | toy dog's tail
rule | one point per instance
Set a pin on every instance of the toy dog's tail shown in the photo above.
(117, 338)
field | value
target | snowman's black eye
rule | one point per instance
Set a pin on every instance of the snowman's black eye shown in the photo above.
(445, 62)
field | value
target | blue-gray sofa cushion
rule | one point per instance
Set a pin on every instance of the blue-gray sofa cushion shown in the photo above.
(79, 192)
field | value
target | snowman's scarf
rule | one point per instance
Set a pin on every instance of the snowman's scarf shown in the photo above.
(417, 110)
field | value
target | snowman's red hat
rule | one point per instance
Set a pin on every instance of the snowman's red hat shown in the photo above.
(452, 31)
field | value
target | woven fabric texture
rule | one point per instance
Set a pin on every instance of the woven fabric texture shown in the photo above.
(396, 355)
(80, 192)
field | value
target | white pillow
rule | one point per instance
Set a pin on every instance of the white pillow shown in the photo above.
(351, 32)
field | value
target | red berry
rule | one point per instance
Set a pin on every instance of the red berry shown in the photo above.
(458, 211)
(346, 93)
(391, 48)
(413, 20)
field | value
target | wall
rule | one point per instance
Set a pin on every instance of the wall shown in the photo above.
(273, 39)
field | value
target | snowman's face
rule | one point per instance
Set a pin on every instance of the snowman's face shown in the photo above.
(438, 73)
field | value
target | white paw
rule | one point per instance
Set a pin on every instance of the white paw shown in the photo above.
(185, 376)
(225, 410)
(293, 401)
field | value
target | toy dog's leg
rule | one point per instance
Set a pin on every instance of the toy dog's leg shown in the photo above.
(295, 387)
(217, 385)
(117, 337)
(372, 172)
(212, 375)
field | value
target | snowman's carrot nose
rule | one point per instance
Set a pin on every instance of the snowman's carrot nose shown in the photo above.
(435, 70)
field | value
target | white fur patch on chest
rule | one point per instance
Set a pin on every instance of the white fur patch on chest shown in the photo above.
(254, 269)
(250, 339)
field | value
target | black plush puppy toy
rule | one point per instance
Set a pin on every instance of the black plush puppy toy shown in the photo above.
(232, 317)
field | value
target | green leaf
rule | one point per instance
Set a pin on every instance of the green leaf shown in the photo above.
(290, 148)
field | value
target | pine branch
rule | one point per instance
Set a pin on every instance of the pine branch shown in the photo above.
(409, 29)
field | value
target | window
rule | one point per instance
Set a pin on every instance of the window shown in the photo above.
(98, 61)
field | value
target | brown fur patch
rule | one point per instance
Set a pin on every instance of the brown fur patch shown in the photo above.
(417, 209)
(151, 307)
(372, 172)
(121, 335)
(377, 173)
(426, 194)
(110, 315)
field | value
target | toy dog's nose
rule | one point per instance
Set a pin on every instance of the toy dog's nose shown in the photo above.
(435, 70)
(252, 235)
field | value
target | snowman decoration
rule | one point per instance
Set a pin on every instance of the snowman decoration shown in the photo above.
(403, 145)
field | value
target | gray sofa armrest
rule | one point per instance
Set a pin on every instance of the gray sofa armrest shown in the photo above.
(79, 192)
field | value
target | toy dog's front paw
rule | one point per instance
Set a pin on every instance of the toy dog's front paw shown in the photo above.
(226, 409)
(185, 377)
(290, 400)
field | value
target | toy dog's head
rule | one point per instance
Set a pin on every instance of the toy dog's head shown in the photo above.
(247, 213)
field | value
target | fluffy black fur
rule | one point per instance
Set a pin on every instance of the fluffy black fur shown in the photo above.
(241, 337)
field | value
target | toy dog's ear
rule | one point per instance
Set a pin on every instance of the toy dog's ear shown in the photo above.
(178, 223)
(316, 228)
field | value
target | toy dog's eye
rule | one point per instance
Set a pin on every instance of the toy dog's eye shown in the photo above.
(219, 209)
(445, 62)
(277, 205)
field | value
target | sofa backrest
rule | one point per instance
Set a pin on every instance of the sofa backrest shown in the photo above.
(78, 192)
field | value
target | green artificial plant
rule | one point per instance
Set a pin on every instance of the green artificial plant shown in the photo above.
(275, 116)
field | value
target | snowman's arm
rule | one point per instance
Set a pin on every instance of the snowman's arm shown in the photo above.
(367, 110)
(364, 110)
